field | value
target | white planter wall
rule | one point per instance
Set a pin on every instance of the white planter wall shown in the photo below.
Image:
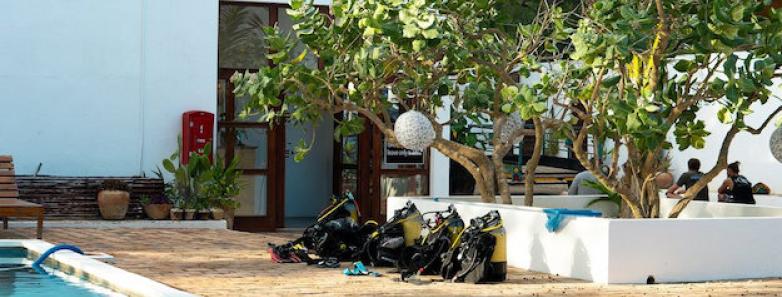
(606, 250)
(530, 246)
(703, 209)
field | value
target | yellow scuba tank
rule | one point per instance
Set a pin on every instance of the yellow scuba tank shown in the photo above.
(499, 257)
(479, 253)
(412, 226)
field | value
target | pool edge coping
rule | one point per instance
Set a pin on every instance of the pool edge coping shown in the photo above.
(99, 273)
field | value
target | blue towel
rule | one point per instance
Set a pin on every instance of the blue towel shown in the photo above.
(556, 215)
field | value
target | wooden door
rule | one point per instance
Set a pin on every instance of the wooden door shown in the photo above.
(259, 148)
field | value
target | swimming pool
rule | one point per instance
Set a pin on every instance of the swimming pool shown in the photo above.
(68, 274)
(17, 278)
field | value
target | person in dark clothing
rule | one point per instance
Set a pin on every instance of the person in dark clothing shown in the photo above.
(688, 179)
(736, 188)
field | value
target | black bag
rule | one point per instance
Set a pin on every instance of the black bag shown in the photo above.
(479, 255)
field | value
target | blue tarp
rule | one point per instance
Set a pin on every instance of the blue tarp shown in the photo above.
(556, 215)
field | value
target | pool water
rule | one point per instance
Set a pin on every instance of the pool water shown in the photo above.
(18, 279)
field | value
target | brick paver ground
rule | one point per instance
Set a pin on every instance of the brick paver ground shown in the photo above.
(229, 263)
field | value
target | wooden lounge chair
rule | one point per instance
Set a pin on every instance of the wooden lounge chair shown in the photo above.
(10, 206)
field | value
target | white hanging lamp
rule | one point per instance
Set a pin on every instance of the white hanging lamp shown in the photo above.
(775, 143)
(414, 131)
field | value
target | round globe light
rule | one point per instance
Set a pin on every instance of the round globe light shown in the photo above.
(775, 143)
(414, 131)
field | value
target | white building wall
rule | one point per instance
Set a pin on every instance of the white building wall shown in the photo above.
(91, 87)
(753, 151)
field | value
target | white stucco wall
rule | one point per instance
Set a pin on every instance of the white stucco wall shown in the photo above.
(91, 87)
(753, 151)
(713, 241)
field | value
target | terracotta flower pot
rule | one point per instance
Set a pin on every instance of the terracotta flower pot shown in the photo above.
(202, 214)
(229, 217)
(217, 213)
(157, 211)
(190, 214)
(113, 205)
(177, 214)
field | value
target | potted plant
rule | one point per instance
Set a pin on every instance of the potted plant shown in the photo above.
(113, 199)
(156, 208)
(202, 205)
(229, 206)
(225, 185)
(176, 212)
(217, 213)
(191, 181)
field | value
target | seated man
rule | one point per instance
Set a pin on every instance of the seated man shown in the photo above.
(687, 180)
(736, 188)
(579, 187)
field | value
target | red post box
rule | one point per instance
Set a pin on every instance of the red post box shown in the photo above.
(197, 128)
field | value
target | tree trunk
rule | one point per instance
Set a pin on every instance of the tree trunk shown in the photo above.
(499, 175)
(475, 162)
(532, 163)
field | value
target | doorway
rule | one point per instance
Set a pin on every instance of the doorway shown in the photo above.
(278, 191)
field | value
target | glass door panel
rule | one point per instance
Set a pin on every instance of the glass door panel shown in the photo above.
(402, 185)
(241, 43)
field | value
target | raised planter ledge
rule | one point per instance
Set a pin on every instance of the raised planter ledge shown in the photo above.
(604, 250)
(130, 224)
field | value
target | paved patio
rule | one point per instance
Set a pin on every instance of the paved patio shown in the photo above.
(229, 263)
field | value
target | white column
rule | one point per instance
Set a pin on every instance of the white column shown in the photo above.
(439, 164)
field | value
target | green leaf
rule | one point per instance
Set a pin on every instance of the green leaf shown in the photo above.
(426, 22)
(730, 66)
(732, 93)
(169, 166)
(633, 122)
(300, 57)
(611, 81)
(507, 108)
(724, 116)
(682, 65)
(539, 107)
(430, 33)
(652, 108)
(737, 13)
(410, 31)
(509, 92)
(418, 44)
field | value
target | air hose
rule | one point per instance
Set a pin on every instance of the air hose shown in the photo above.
(54, 249)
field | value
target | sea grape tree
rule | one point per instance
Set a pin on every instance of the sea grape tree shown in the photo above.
(419, 55)
(640, 71)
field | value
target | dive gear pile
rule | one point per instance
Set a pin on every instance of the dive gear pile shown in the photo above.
(414, 245)
(335, 234)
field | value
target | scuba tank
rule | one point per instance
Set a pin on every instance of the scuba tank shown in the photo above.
(479, 254)
(425, 257)
(384, 246)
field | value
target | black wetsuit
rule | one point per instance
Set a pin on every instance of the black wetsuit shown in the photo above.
(741, 191)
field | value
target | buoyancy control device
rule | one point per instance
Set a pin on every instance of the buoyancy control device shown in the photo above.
(479, 254)
(425, 257)
(384, 246)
